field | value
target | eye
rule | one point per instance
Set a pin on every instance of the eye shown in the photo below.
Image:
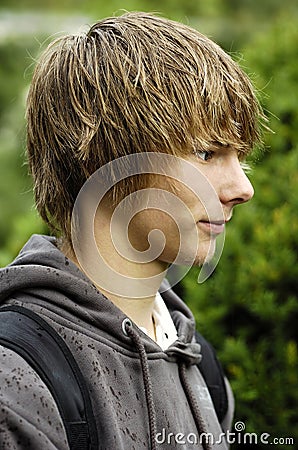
(205, 155)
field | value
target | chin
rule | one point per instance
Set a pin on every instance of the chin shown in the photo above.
(186, 257)
(205, 253)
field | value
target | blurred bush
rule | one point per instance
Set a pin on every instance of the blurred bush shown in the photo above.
(18, 218)
(249, 307)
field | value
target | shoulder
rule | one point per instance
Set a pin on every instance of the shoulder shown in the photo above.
(29, 415)
(217, 382)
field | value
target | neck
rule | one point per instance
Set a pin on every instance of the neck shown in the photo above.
(140, 311)
(140, 280)
(139, 305)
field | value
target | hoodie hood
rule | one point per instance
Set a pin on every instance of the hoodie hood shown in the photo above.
(41, 269)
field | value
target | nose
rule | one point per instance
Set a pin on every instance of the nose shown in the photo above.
(236, 187)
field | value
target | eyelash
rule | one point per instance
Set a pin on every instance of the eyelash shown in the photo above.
(209, 154)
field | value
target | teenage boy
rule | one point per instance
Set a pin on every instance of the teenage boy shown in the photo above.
(137, 130)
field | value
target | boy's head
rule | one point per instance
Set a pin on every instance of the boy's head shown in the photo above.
(135, 83)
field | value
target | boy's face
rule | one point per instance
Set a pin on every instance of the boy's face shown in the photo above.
(190, 223)
(175, 219)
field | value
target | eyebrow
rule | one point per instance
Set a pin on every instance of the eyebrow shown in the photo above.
(220, 144)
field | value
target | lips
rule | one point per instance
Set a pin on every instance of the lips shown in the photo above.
(213, 227)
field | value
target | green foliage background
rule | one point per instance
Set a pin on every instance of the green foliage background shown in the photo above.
(248, 309)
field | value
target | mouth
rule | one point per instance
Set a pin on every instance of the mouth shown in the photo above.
(214, 227)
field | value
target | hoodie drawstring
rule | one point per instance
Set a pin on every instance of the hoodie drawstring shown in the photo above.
(147, 381)
(194, 406)
(128, 329)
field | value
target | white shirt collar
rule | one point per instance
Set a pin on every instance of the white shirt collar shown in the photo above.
(165, 330)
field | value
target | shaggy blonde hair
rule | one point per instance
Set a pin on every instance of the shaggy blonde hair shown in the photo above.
(134, 83)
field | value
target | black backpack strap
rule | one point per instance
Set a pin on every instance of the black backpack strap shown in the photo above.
(213, 375)
(38, 343)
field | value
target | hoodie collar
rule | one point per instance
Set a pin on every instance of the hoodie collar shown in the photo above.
(42, 270)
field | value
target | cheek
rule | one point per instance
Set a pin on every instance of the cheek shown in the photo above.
(141, 230)
(185, 245)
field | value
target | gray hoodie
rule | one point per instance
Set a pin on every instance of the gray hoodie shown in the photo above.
(42, 279)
